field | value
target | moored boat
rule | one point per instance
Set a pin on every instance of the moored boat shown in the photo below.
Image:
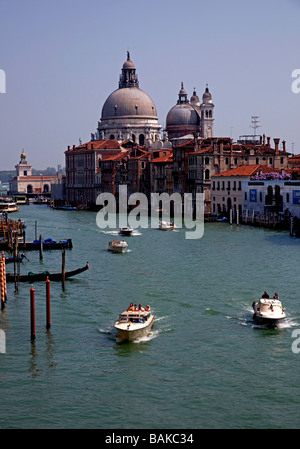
(134, 324)
(118, 246)
(43, 276)
(268, 311)
(126, 231)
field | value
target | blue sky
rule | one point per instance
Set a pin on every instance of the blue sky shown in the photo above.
(62, 58)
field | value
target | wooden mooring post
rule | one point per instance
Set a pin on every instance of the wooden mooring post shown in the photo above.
(32, 314)
(48, 319)
(63, 269)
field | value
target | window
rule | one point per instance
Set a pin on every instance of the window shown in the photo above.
(223, 185)
(206, 174)
(245, 196)
(287, 197)
(257, 160)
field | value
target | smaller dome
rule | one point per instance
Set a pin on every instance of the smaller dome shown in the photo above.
(207, 95)
(23, 155)
(128, 65)
(182, 115)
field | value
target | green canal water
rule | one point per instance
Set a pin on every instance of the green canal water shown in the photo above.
(205, 365)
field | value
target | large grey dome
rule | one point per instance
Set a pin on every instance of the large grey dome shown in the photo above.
(128, 101)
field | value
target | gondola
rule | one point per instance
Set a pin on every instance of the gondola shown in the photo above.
(36, 277)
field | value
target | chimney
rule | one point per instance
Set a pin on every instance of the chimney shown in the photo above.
(276, 141)
(68, 147)
(264, 139)
(283, 145)
(268, 143)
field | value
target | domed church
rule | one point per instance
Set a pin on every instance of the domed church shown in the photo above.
(129, 113)
(191, 117)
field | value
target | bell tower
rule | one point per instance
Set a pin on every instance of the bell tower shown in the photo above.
(23, 168)
(207, 114)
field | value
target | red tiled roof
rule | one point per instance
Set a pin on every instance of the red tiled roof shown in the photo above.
(247, 170)
(109, 144)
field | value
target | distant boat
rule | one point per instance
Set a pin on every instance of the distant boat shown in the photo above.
(36, 277)
(167, 225)
(8, 206)
(126, 231)
(118, 246)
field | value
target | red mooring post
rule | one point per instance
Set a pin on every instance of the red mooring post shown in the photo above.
(32, 313)
(48, 319)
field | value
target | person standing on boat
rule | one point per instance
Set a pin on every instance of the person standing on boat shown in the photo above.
(276, 296)
(265, 295)
(141, 308)
(130, 308)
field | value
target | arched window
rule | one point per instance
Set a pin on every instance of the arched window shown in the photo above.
(46, 188)
(207, 160)
(29, 188)
(210, 113)
(133, 137)
(141, 139)
(112, 137)
(206, 174)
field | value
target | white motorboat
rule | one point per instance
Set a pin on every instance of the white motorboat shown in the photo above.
(268, 311)
(126, 231)
(8, 206)
(134, 324)
(118, 246)
(167, 225)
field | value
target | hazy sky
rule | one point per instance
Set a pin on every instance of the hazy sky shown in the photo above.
(62, 59)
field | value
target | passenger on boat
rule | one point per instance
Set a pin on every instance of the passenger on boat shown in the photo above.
(276, 296)
(141, 308)
(130, 308)
(147, 308)
(265, 295)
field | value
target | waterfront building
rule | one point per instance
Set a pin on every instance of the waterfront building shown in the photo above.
(219, 154)
(85, 165)
(30, 185)
(267, 197)
(129, 113)
(226, 188)
(190, 118)
(161, 173)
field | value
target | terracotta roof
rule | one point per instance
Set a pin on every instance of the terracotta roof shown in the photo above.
(167, 158)
(109, 144)
(247, 170)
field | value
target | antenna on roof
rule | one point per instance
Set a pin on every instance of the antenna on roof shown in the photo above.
(254, 122)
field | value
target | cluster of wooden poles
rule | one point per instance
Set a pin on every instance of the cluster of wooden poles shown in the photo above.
(32, 298)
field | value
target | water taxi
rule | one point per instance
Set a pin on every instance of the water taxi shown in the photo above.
(118, 246)
(268, 311)
(167, 225)
(126, 231)
(8, 206)
(134, 324)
